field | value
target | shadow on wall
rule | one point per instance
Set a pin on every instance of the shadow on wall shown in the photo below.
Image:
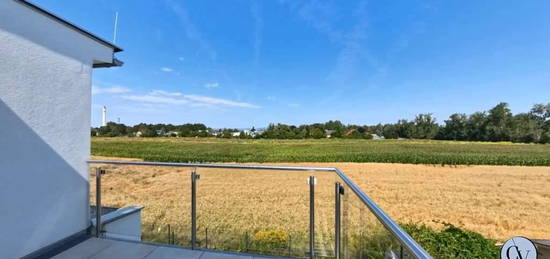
(41, 195)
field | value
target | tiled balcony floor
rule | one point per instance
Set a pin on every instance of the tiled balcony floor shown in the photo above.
(95, 248)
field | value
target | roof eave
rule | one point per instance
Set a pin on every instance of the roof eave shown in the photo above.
(115, 63)
(70, 25)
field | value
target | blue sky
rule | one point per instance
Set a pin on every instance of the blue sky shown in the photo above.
(248, 63)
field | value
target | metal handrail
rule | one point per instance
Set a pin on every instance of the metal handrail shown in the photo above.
(226, 166)
(403, 237)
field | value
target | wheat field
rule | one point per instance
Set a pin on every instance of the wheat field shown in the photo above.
(496, 201)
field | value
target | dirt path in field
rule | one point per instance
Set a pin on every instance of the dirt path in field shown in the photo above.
(497, 201)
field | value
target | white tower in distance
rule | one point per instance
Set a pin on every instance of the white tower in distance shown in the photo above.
(104, 116)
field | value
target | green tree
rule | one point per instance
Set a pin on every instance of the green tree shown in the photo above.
(337, 133)
(301, 132)
(405, 129)
(545, 137)
(525, 128)
(148, 132)
(116, 129)
(425, 126)
(499, 123)
(337, 128)
(279, 131)
(541, 112)
(476, 126)
(227, 133)
(378, 129)
(355, 134)
(243, 135)
(390, 131)
(455, 127)
(316, 133)
(93, 132)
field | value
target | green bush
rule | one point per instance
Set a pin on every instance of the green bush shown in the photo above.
(373, 243)
(545, 138)
(271, 239)
(452, 242)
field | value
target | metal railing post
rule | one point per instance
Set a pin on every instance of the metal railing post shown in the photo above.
(98, 227)
(194, 178)
(311, 181)
(337, 192)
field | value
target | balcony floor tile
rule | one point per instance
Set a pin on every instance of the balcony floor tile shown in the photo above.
(95, 248)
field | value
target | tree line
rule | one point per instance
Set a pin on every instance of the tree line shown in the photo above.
(496, 124)
(113, 129)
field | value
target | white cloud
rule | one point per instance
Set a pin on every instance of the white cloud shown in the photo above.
(176, 98)
(116, 89)
(151, 98)
(218, 101)
(164, 93)
(211, 85)
(181, 58)
(166, 69)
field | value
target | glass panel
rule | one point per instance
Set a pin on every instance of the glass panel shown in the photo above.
(324, 214)
(254, 211)
(405, 254)
(363, 235)
(162, 191)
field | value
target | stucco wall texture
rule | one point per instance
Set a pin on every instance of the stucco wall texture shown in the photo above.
(45, 99)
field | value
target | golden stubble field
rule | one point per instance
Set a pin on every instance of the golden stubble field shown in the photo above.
(497, 201)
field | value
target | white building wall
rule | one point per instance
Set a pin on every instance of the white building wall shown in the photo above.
(45, 99)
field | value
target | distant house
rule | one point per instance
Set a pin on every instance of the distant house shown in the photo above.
(172, 134)
(349, 132)
(160, 132)
(259, 132)
(251, 133)
(374, 136)
(236, 134)
(138, 133)
(217, 133)
(328, 133)
(377, 137)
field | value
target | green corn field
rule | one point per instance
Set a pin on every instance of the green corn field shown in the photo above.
(324, 150)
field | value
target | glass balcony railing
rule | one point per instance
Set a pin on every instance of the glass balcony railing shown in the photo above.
(162, 191)
(254, 211)
(301, 212)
